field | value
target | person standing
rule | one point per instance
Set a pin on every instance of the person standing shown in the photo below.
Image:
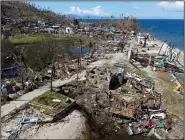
(145, 39)
(90, 47)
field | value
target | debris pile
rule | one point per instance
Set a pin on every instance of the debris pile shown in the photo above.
(47, 108)
(8, 89)
(131, 103)
(26, 121)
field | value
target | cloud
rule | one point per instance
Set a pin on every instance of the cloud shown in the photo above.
(172, 6)
(136, 7)
(96, 11)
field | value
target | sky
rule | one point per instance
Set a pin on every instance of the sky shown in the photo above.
(140, 10)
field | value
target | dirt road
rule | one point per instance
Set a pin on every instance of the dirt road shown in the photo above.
(11, 106)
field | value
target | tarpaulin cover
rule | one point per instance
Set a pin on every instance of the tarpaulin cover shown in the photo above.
(116, 81)
(147, 123)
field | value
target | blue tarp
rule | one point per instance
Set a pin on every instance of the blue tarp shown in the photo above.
(118, 70)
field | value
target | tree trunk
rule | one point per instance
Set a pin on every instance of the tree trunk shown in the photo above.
(80, 55)
(22, 76)
(22, 79)
(51, 82)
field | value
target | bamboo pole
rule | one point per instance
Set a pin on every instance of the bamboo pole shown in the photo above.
(161, 47)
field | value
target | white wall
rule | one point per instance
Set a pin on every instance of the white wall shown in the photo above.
(69, 30)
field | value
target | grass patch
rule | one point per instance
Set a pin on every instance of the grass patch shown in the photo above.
(172, 101)
(109, 66)
(46, 102)
(140, 73)
(81, 137)
(168, 86)
(34, 38)
(166, 78)
(180, 78)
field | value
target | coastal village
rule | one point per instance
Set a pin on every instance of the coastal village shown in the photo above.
(80, 80)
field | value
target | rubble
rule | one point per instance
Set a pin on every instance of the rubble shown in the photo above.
(144, 108)
(114, 97)
(26, 122)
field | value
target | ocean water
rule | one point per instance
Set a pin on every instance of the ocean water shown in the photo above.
(168, 29)
(171, 30)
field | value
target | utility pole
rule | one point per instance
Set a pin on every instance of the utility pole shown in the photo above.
(80, 52)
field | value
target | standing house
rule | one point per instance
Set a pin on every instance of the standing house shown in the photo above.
(62, 30)
(41, 24)
(56, 28)
(69, 30)
(49, 30)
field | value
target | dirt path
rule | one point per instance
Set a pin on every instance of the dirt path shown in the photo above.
(11, 106)
(72, 128)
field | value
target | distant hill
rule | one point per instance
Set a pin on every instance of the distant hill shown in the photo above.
(87, 17)
(26, 11)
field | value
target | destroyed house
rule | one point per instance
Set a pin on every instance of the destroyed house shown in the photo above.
(10, 68)
(5, 34)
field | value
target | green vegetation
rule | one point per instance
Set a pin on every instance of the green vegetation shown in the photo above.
(81, 137)
(128, 23)
(46, 102)
(180, 78)
(30, 12)
(141, 73)
(43, 47)
(168, 87)
(34, 38)
(172, 101)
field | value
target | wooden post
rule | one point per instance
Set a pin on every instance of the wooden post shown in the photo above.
(80, 51)
(150, 59)
(52, 71)
(80, 56)
(22, 74)
(177, 57)
(160, 99)
(161, 47)
(77, 68)
(130, 52)
(51, 82)
(167, 48)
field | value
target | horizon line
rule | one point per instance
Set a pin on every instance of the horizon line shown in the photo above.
(136, 19)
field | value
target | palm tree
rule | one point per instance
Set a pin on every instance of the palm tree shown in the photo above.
(112, 17)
